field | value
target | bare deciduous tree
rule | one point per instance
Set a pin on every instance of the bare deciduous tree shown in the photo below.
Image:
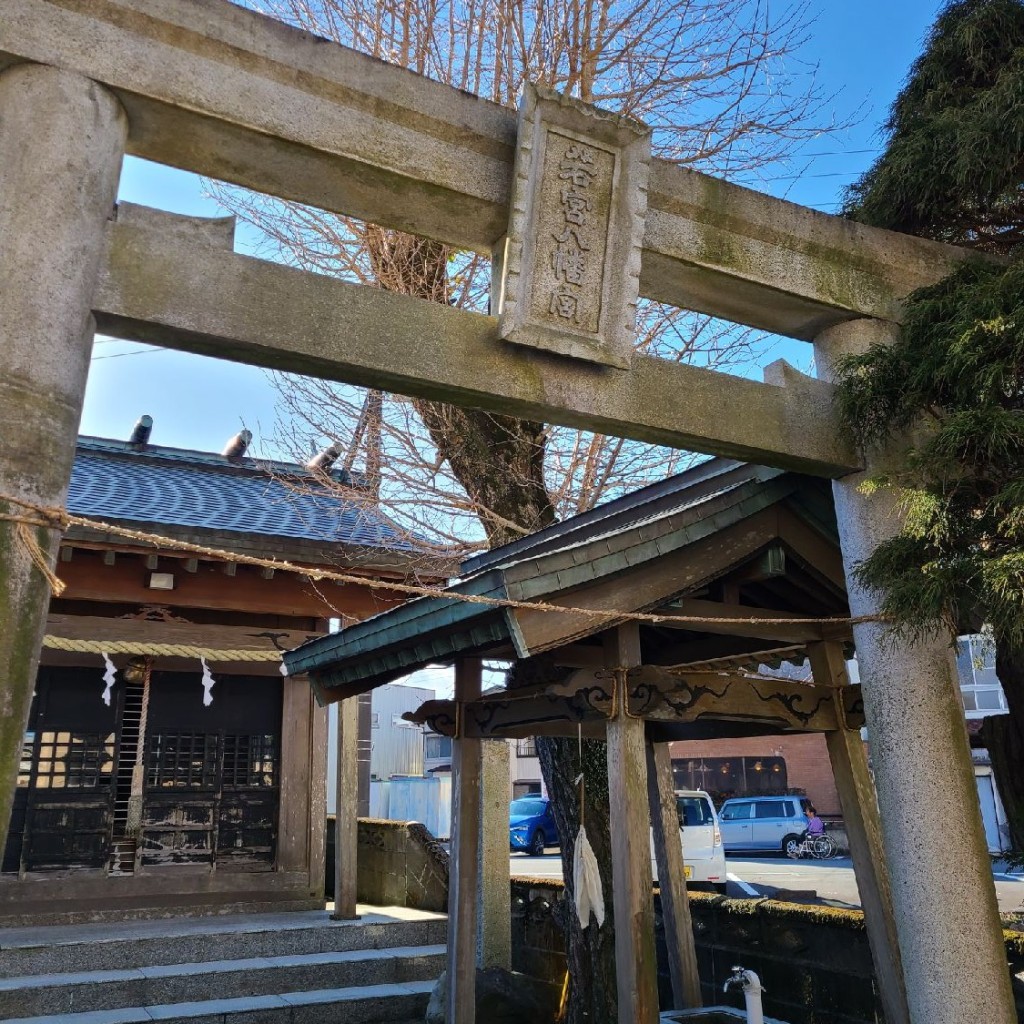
(720, 83)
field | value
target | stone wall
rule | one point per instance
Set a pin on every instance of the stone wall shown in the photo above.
(400, 864)
(814, 961)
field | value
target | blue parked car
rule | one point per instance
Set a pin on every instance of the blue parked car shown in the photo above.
(531, 825)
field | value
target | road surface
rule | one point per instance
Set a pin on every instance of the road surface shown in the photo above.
(796, 880)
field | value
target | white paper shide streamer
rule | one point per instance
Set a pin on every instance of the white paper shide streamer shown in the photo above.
(586, 875)
(208, 683)
(587, 881)
(109, 678)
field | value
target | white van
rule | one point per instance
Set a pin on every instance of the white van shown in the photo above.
(701, 838)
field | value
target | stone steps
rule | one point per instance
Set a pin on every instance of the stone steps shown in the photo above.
(264, 969)
(370, 1004)
(34, 951)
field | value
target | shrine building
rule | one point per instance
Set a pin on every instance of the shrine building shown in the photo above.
(151, 779)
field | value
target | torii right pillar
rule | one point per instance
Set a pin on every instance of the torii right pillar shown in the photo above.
(954, 960)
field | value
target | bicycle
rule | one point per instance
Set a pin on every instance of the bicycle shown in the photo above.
(821, 847)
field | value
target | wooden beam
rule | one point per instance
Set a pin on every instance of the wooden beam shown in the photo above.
(288, 595)
(864, 830)
(711, 729)
(346, 812)
(66, 552)
(738, 622)
(373, 563)
(109, 557)
(675, 902)
(636, 969)
(818, 554)
(97, 627)
(191, 565)
(579, 656)
(653, 694)
(464, 869)
(657, 695)
(719, 649)
(518, 717)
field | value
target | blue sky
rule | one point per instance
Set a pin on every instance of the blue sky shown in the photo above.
(863, 48)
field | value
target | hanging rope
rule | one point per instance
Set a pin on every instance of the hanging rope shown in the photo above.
(30, 543)
(59, 519)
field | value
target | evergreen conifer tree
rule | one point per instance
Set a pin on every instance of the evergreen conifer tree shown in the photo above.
(953, 170)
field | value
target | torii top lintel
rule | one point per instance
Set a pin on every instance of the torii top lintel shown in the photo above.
(222, 91)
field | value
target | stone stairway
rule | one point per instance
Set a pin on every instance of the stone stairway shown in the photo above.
(295, 968)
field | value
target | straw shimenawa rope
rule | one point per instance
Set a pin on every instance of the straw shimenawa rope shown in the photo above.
(58, 519)
(59, 643)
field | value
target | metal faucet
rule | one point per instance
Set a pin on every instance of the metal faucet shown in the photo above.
(750, 984)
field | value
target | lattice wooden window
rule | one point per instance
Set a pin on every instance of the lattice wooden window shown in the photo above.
(74, 760)
(182, 760)
(250, 761)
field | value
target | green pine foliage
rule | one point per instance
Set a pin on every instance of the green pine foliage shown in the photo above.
(953, 170)
(954, 161)
(955, 381)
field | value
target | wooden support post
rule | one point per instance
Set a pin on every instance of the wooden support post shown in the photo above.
(675, 902)
(346, 811)
(464, 869)
(864, 830)
(303, 784)
(636, 969)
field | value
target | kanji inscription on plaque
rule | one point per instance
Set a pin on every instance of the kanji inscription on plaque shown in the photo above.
(572, 255)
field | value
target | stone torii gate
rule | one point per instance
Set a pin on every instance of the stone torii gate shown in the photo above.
(209, 87)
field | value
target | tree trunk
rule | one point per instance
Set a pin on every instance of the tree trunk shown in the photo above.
(590, 952)
(499, 460)
(1003, 735)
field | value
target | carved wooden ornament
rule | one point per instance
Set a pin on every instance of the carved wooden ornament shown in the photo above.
(571, 264)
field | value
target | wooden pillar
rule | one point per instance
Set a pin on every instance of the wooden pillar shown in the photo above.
(317, 796)
(675, 902)
(864, 830)
(464, 869)
(346, 811)
(636, 969)
(303, 785)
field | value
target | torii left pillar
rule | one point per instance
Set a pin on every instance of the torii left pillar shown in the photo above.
(62, 139)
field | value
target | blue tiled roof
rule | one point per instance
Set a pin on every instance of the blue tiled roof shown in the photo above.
(174, 487)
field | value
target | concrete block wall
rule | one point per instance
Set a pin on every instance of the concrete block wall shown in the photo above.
(399, 863)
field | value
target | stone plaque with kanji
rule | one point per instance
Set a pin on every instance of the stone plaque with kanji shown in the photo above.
(572, 256)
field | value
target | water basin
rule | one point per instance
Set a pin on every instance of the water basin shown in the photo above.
(711, 1015)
